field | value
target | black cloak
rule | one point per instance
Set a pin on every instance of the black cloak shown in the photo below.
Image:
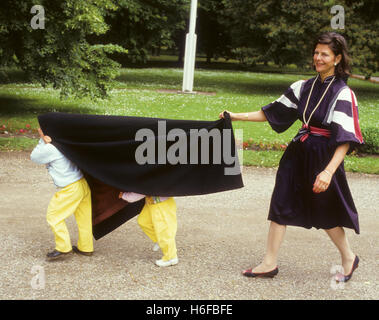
(184, 157)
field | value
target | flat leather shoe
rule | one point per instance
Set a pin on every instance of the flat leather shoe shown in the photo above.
(345, 278)
(76, 250)
(53, 255)
(270, 274)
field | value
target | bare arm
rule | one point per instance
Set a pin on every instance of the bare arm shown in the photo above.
(256, 116)
(323, 179)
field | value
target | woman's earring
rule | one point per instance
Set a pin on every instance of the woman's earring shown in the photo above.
(335, 63)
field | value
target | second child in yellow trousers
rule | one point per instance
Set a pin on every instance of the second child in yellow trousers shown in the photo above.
(158, 221)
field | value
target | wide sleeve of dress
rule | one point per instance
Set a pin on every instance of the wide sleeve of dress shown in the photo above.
(344, 119)
(282, 113)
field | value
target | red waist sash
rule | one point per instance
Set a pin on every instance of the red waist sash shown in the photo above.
(305, 131)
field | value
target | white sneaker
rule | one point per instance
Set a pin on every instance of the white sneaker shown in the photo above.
(162, 263)
(156, 247)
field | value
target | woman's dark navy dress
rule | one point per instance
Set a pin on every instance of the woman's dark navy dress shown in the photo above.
(293, 202)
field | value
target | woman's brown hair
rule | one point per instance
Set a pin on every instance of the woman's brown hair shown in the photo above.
(338, 45)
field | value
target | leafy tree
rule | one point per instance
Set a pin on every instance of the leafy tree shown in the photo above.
(274, 30)
(362, 29)
(144, 26)
(60, 55)
(284, 31)
(212, 30)
(77, 49)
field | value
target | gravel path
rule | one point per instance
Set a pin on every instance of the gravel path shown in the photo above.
(218, 236)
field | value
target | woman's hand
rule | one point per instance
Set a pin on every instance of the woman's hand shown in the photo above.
(323, 179)
(221, 115)
(322, 182)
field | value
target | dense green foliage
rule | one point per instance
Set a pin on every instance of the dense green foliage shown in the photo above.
(371, 140)
(363, 30)
(60, 55)
(82, 39)
(284, 31)
(144, 26)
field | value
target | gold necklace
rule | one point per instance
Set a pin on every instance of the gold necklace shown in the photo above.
(309, 96)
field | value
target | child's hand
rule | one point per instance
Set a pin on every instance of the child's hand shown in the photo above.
(46, 139)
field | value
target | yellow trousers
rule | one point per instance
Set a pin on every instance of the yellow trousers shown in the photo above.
(159, 223)
(72, 199)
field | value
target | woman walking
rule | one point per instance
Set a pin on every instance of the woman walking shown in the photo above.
(311, 189)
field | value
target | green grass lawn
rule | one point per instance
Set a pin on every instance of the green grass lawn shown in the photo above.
(136, 94)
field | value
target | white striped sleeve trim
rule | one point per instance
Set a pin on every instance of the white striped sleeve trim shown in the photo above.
(343, 95)
(287, 102)
(346, 122)
(296, 87)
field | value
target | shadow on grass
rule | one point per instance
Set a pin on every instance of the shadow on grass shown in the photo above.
(14, 106)
(227, 82)
(218, 65)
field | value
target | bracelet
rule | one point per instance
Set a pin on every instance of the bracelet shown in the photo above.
(328, 172)
(247, 116)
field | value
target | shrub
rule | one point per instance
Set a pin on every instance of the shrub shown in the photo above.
(371, 141)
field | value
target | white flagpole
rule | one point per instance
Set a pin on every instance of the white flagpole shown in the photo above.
(190, 51)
